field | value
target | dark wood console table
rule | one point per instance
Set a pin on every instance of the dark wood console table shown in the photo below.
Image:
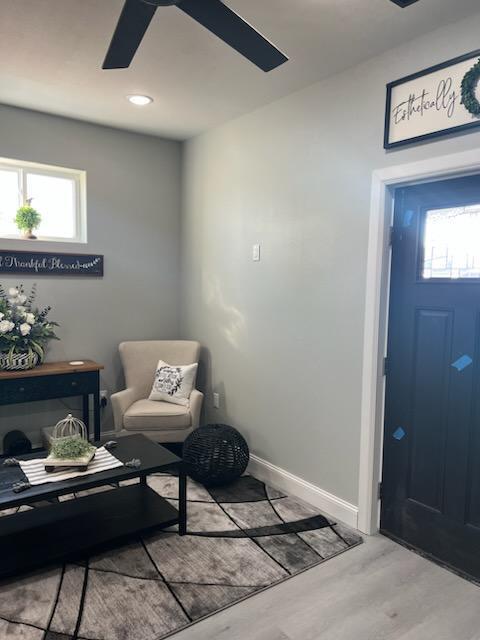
(54, 380)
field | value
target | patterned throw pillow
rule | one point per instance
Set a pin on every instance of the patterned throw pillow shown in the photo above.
(173, 383)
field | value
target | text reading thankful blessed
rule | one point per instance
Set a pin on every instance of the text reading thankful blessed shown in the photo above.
(50, 263)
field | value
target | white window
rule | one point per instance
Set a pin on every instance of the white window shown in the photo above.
(57, 194)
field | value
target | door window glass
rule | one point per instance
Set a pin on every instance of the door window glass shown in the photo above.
(451, 243)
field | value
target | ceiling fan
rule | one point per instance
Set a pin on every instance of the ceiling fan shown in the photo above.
(404, 3)
(213, 14)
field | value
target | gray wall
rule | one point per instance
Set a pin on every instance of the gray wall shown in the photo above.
(133, 195)
(284, 336)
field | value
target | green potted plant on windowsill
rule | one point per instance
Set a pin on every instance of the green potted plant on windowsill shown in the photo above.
(28, 219)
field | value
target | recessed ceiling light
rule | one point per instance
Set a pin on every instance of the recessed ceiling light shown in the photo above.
(140, 101)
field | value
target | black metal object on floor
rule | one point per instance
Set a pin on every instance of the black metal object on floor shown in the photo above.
(16, 443)
(215, 454)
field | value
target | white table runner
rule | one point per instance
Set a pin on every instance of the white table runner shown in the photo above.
(36, 474)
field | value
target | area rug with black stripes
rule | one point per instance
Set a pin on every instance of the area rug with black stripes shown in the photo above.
(241, 539)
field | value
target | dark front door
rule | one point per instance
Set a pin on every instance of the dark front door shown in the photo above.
(431, 466)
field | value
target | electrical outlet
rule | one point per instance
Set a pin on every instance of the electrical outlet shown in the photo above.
(256, 253)
(216, 401)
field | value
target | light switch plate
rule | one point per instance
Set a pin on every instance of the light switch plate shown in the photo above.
(216, 401)
(256, 253)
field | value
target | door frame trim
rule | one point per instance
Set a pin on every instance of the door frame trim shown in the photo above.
(376, 314)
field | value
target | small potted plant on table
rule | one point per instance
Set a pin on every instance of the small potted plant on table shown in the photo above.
(28, 219)
(24, 329)
(69, 446)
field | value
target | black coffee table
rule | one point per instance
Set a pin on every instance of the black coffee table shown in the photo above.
(63, 530)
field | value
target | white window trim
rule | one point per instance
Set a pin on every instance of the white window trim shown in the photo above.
(78, 176)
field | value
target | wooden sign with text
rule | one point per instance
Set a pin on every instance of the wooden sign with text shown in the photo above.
(428, 104)
(51, 264)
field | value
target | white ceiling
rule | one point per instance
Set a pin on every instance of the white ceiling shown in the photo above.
(51, 53)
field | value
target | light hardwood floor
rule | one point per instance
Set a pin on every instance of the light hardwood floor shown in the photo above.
(377, 591)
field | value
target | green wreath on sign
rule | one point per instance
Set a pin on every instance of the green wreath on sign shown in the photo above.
(469, 87)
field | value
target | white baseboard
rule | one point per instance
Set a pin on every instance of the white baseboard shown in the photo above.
(331, 505)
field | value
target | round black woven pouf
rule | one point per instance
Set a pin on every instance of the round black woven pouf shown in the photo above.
(215, 455)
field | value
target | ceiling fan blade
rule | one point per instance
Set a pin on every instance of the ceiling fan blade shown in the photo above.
(235, 31)
(132, 24)
(404, 3)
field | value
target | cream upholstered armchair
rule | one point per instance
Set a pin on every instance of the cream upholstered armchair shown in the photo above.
(133, 412)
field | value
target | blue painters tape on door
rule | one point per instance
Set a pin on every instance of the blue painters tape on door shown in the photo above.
(399, 433)
(408, 217)
(462, 363)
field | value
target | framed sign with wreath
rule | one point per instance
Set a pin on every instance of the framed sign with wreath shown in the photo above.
(438, 101)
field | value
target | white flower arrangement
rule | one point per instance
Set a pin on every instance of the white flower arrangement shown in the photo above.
(23, 328)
